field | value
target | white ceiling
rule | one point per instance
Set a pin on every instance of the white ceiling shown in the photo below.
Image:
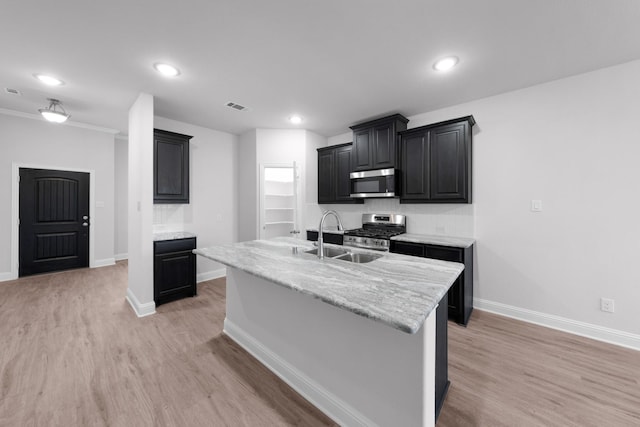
(335, 62)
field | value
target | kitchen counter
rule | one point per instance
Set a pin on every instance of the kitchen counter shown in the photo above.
(171, 235)
(456, 242)
(397, 290)
(356, 340)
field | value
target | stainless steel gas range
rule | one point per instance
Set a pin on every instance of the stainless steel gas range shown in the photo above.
(376, 231)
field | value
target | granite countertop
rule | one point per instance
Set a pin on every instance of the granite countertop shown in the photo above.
(171, 235)
(456, 242)
(397, 290)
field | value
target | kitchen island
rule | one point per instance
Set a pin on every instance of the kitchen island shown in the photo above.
(357, 340)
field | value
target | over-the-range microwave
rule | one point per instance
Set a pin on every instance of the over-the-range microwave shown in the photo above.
(373, 183)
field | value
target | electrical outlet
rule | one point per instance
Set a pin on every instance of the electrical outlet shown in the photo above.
(607, 304)
(536, 206)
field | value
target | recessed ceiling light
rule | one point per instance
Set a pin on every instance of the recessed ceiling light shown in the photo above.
(166, 69)
(48, 80)
(445, 64)
(295, 119)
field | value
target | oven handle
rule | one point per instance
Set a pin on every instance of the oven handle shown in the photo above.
(358, 245)
(372, 173)
(371, 195)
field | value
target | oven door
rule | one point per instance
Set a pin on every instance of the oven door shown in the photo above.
(373, 183)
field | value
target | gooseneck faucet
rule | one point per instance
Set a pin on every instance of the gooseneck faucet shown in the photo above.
(320, 229)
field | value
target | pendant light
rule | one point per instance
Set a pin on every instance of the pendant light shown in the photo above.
(54, 112)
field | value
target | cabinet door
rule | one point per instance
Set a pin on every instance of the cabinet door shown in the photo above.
(342, 171)
(326, 178)
(414, 170)
(384, 146)
(170, 167)
(407, 248)
(448, 163)
(361, 151)
(174, 274)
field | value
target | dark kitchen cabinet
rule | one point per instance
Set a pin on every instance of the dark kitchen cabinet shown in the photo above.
(335, 238)
(174, 274)
(170, 167)
(435, 162)
(374, 143)
(334, 165)
(460, 295)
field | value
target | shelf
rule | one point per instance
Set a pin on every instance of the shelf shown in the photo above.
(278, 223)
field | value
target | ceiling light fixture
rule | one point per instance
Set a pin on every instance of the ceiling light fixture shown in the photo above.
(48, 80)
(445, 64)
(295, 119)
(166, 69)
(52, 114)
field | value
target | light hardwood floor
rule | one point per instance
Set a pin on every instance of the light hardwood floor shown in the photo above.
(72, 353)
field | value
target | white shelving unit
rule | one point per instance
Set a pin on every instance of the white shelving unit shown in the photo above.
(278, 201)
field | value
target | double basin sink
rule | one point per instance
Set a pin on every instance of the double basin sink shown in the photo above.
(345, 255)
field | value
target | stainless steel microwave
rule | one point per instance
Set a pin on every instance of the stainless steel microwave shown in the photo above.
(373, 183)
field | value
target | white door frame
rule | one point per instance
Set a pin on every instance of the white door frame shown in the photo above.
(261, 195)
(15, 205)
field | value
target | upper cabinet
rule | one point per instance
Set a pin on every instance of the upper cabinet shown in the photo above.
(334, 165)
(170, 167)
(374, 143)
(435, 162)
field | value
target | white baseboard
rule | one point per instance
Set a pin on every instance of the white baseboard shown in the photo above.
(331, 405)
(7, 276)
(141, 310)
(103, 262)
(600, 333)
(120, 257)
(210, 275)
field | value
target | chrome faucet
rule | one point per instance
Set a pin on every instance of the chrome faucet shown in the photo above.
(320, 228)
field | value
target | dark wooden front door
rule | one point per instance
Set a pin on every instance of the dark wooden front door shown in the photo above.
(54, 221)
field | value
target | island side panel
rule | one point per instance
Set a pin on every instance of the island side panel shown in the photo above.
(357, 371)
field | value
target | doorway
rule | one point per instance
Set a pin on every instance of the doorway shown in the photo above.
(54, 219)
(278, 200)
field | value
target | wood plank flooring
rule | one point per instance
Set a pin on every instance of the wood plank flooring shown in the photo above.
(72, 353)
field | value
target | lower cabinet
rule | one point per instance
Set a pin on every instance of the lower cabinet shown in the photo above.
(174, 270)
(461, 292)
(334, 238)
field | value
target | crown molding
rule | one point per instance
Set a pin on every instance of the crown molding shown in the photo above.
(67, 123)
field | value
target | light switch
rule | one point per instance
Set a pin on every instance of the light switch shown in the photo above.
(536, 206)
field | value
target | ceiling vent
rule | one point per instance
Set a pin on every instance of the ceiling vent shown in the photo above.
(236, 106)
(12, 91)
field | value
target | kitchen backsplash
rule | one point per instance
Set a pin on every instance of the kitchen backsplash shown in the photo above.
(171, 217)
(445, 219)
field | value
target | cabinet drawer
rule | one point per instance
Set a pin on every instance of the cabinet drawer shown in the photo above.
(444, 253)
(168, 246)
(407, 248)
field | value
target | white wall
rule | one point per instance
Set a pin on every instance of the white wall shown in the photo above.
(44, 144)
(121, 171)
(275, 146)
(140, 206)
(212, 211)
(570, 143)
(247, 179)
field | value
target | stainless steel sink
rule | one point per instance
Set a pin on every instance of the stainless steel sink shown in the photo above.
(359, 258)
(329, 252)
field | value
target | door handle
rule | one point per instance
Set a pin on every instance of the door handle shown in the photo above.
(85, 224)
(85, 217)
